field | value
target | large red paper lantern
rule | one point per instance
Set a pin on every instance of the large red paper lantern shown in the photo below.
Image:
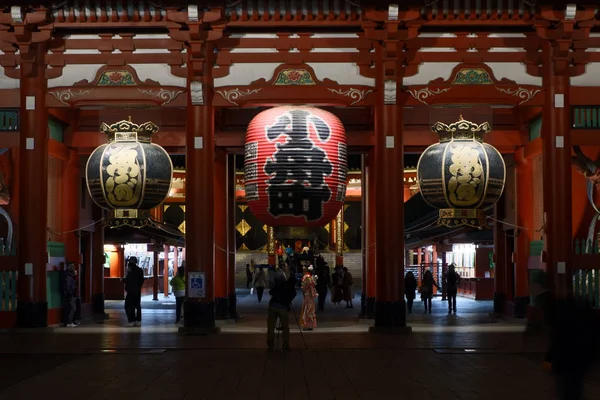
(296, 166)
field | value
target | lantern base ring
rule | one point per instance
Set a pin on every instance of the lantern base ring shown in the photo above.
(457, 217)
(119, 218)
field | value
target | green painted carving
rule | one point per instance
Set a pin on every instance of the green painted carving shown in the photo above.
(294, 77)
(472, 76)
(116, 78)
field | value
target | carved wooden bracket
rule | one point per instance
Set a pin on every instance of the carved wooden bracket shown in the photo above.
(294, 84)
(113, 85)
(474, 83)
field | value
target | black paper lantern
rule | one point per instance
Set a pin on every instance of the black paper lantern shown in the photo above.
(129, 175)
(461, 175)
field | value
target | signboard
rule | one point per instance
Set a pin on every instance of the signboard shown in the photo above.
(196, 288)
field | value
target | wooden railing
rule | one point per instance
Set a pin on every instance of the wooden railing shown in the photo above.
(8, 290)
(585, 117)
(9, 120)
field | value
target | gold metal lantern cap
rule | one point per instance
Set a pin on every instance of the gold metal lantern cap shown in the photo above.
(461, 130)
(127, 131)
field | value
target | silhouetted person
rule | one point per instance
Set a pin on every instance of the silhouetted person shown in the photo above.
(282, 293)
(323, 282)
(133, 286)
(178, 285)
(70, 295)
(452, 282)
(427, 285)
(260, 282)
(573, 346)
(410, 287)
(248, 276)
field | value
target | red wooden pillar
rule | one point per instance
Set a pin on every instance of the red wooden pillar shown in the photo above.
(70, 206)
(220, 221)
(231, 247)
(199, 312)
(97, 263)
(500, 263)
(167, 250)
(524, 199)
(556, 155)
(156, 253)
(32, 306)
(371, 232)
(390, 310)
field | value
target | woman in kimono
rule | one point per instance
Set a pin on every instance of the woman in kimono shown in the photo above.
(308, 317)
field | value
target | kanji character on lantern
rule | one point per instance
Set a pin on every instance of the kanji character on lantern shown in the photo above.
(305, 165)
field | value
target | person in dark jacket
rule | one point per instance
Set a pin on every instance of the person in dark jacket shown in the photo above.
(410, 287)
(573, 346)
(323, 282)
(282, 294)
(452, 282)
(70, 296)
(133, 286)
(426, 289)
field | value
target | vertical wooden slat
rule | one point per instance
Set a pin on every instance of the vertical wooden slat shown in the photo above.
(576, 282)
(3, 291)
(13, 289)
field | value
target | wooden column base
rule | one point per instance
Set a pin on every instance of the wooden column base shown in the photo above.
(221, 308)
(232, 306)
(369, 304)
(499, 303)
(98, 305)
(199, 315)
(390, 314)
(32, 314)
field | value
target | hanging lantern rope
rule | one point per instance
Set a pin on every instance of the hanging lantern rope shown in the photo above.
(74, 230)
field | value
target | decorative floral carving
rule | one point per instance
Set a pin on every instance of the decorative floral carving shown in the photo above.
(119, 77)
(423, 94)
(522, 93)
(294, 77)
(355, 94)
(234, 94)
(163, 94)
(67, 95)
(472, 76)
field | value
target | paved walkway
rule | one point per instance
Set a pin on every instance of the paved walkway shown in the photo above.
(467, 356)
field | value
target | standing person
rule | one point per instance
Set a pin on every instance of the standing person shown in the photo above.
(282, 294)
(133, 286)
(410, 287)
(178, 285)
(337, 288)
(248, 276)
(62, 277)
(70, 296)
(308, 317)
(323, 282)
(260, 282)
(427, 285)
(348, 287)
(452, 282)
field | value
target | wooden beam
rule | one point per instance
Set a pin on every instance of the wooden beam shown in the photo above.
(416, 139)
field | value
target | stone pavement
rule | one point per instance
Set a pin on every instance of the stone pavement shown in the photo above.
(316, 374)
(467, 356)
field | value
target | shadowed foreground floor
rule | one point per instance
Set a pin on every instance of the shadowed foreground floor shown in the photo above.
(464, 356)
